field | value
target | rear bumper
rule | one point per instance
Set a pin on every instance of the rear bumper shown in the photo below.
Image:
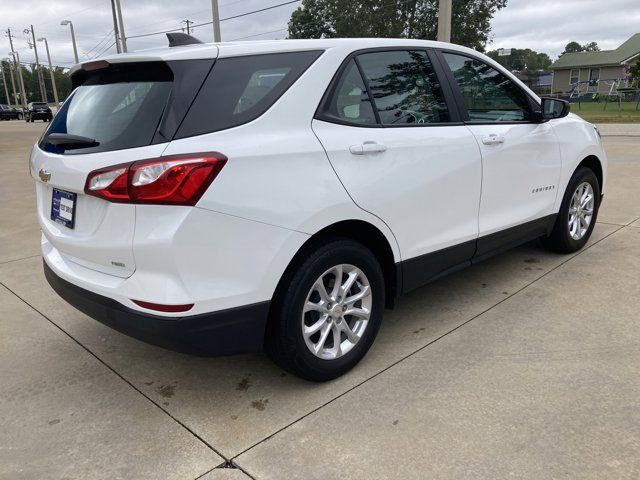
(225, 332)
(41, 115)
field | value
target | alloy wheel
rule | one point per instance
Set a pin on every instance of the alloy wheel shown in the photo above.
(581, 210)
(336, 311)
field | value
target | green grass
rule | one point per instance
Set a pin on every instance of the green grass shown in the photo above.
(594, 112)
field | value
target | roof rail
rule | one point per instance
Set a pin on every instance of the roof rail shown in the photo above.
(178, 39)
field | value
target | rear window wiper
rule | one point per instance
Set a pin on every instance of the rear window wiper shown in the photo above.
(69, 142)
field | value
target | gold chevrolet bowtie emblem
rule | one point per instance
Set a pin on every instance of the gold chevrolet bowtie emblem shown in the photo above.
(44, 175)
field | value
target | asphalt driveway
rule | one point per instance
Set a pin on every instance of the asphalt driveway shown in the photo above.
(525, 366)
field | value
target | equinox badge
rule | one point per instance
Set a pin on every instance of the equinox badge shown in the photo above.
(44, 175)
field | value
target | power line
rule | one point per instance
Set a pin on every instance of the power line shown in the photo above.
(258, 34)
(104, 50)
(100, 44)
(255, 11)
(222, 19)
(191, 14)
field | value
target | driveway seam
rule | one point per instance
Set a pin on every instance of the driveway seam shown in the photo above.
(225, 466)
(226, 460)
(409, 355)
(18, 259)
(614, 224)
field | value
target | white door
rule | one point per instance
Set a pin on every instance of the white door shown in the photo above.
(520, 155)
(400, 157)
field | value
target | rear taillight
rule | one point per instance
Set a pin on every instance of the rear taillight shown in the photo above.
(171, 180)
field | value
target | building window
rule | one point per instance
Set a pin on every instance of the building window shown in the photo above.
(594, 74)
(574, 76)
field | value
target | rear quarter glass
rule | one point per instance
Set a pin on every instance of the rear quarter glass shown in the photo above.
(240, 89)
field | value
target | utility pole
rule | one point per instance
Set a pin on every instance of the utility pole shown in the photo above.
(16, 61)
(13, 83)
(23, 94)
(43, 89)
(215, 14)
(53, 77)
(73, 38)
(444, 21)
(4, 82)
(123, 38)
(115, 25)
(188, 23)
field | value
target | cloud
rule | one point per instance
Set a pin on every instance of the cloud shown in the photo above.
(548, 25)
(93, 23)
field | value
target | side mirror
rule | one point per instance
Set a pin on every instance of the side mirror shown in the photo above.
(554, 108)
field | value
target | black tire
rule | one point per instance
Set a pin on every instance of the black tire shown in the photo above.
(32, 119)
(284, 341)
(560, 240)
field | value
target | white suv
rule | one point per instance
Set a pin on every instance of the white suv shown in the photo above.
(219, 198)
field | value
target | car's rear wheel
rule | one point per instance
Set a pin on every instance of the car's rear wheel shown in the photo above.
(326, 316)
(578, 213)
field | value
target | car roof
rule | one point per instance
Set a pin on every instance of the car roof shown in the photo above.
(233, 49)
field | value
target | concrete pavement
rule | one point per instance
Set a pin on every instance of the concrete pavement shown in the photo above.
(524, 366)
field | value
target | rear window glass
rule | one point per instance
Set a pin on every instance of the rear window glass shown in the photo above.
(240, 89)
(117, 111)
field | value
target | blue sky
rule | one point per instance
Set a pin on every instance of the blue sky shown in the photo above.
(543, 25)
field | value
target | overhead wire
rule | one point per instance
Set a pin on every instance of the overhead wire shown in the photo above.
(221, 20)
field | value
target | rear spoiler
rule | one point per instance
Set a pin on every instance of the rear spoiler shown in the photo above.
(100, 64)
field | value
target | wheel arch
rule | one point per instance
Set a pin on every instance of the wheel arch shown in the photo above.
(594, 164)
(362, 232)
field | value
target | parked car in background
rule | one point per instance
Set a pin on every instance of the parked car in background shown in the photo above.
(224, 197)
(9, 113)
(38, 111)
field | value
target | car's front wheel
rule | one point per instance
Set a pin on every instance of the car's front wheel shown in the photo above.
(577, 215)
(327, 314)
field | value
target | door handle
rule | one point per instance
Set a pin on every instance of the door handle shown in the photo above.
(493, 139)
(367, 147)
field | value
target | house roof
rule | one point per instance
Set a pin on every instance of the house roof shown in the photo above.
(624, 52)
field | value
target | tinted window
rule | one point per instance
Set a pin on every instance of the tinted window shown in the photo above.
(404, 87)
(240, 89)
(349, 101)
(489, 95)
(118, 110)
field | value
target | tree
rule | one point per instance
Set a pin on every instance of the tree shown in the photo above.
(522, 59)
(63, 83)
(572, 47)
(575, 47)
(591, 47)
(470, 23)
